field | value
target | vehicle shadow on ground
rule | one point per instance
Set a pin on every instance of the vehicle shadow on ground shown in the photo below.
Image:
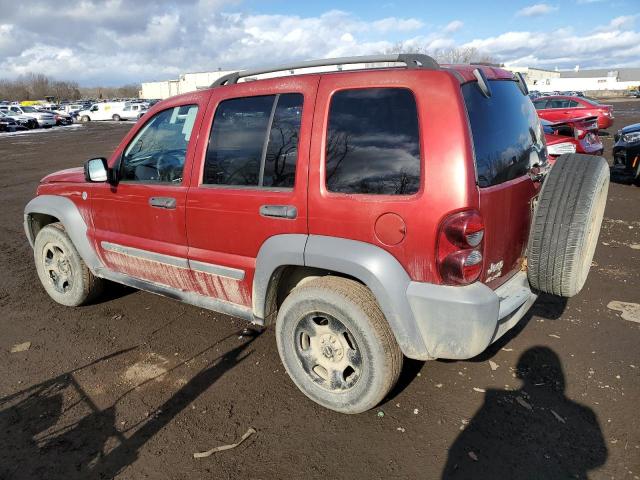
(532, 432)
(546, 306)
(54, 430)
(113, 291)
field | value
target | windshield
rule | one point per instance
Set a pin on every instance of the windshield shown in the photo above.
(28, 109)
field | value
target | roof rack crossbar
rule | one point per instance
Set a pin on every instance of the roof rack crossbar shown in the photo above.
(411, 60)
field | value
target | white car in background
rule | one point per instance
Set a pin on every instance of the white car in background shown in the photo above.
(44, 118)
(102, 111)
(133, 111)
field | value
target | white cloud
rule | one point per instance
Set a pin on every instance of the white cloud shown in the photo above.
(453, 26)
(119, 41)
(536, 10)
(624, 21)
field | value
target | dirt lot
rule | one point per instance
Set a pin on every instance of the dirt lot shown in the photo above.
(131, 387)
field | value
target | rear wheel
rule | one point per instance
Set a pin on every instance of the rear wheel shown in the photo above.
(63, 273)
(566, 224)
(85, 118)
(116, 118)
(336, 345)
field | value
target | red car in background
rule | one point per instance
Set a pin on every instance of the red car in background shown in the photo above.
(578, 135)
(560, 108)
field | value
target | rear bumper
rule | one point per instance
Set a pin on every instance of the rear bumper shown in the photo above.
(461, 322)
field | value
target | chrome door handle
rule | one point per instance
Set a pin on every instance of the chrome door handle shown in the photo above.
(163, 202)
(279, 211)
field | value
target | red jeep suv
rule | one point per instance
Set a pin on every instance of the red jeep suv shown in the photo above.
(369, 214)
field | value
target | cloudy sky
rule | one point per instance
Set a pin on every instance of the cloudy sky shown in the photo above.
(113, 42)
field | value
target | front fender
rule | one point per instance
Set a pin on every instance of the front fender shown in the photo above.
(68, 214)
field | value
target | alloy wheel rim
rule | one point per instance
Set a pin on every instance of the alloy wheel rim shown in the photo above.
(57, 267)
(328, 352)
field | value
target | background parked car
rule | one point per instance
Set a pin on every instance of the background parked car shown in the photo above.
(44, 119)
(133, 111)
(626, 152)
(102, 111)
(578, 135)
(7, 124)
(21, 120)
(559, 108)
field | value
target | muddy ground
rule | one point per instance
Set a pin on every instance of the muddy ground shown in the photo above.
(132, 386)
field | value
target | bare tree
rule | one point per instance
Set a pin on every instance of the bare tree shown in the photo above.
(37, 86)
(444, 55)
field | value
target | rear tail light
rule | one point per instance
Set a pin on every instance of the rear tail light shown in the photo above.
(460, 248)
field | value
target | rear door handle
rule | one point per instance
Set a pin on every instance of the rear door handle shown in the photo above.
(163, 202)
(279, 211)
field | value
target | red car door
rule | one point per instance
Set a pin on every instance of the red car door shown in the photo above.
(139, 223)
(249, 181)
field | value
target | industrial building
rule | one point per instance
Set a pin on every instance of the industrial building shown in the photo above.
(594, 80)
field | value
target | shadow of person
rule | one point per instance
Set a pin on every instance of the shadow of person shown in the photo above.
(531, 433)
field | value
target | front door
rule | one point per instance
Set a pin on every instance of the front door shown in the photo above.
(249, 181)
(139, 224)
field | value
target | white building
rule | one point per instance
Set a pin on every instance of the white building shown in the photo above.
(190, 82)
(535, 77)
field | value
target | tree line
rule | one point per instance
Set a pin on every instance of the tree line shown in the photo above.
(37, 86)
(445, 55)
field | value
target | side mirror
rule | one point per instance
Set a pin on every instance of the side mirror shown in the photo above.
(96, 169)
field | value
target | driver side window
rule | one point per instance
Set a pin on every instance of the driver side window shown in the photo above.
(158, 151)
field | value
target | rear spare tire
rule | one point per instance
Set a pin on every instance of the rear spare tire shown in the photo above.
(566, 224)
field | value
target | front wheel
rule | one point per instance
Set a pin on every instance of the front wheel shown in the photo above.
(336, 344)
(85, 118)
(116, 118)
(62, 272)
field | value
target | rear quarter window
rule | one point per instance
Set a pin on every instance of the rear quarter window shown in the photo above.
(373, 142)
(506, 131)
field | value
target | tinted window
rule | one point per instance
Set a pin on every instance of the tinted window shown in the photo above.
(157, 152)
(572, 104)
(559, 103)
(507, 136)
(254, 144)
(373, 142)
(540, 105)
(282, 149)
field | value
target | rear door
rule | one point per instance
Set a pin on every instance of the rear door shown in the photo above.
(508, 139)
(250, 180)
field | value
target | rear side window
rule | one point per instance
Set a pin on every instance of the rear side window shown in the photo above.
(372, 144)
(541, 104)
(507, 136)
(254, 142)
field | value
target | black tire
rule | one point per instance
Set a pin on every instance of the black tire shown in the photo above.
(61, 270)
(356, 345)
(116, 118)
(566, 224)
(85, 118)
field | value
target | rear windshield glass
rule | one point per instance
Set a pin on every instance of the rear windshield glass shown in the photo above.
(507, 136)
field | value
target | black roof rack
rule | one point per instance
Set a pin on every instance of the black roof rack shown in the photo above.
(411, 60)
